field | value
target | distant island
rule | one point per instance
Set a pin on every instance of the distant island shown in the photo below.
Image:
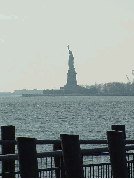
(111, 89)
(106, 89)
(73, 89)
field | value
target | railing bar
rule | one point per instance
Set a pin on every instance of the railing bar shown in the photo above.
(93, 171)
(90, 165)
(98, 171)
(90, 172)
(103, 171)
(96, 164)
(85, 172)
(86, 152)
(46, 165)
(108, 171)
(131, 170)
(58, 141)
(43, 174)
(133, 167)
(41, 163)
(51, 167)
(128, 167)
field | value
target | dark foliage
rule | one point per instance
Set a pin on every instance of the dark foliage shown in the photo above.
(111, 89)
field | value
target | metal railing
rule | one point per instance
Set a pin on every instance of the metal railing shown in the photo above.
(96, 162)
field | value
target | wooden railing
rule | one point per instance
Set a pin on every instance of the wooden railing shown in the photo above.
(57, 155)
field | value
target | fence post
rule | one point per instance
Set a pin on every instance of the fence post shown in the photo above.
(27, 157)
(116, 145)
(133, 167)
(72, 156)
(8, 167)
(58, 162)
(119, 128)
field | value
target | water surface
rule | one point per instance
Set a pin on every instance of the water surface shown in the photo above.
(47, 117)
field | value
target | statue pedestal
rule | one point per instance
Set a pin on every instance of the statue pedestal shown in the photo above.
(71, 79)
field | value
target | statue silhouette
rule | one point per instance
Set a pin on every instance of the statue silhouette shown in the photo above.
(71, 59)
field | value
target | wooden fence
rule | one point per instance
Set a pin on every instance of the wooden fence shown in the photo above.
(68, 161)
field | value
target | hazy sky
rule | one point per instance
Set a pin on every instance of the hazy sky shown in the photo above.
(34, 35)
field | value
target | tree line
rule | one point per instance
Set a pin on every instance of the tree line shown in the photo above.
(110, 89)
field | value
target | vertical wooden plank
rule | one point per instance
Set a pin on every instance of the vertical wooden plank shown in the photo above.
(116, 145)
(72, 157)
(8, 167)
(27, 157)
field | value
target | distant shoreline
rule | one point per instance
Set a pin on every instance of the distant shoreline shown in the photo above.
(34, 95)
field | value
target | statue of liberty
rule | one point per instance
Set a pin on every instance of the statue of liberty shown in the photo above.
(71, 59)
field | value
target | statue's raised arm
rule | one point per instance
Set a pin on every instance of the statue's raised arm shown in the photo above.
(68, 47)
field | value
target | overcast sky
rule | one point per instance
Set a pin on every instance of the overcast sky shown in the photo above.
(34, 35)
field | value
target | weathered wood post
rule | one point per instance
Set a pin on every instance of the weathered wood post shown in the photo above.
(8, 167)
(116, 145)
(72, 157)
(27, 157)
(58, 162)
(119, 128)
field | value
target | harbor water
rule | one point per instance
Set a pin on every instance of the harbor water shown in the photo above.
(47, 117)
